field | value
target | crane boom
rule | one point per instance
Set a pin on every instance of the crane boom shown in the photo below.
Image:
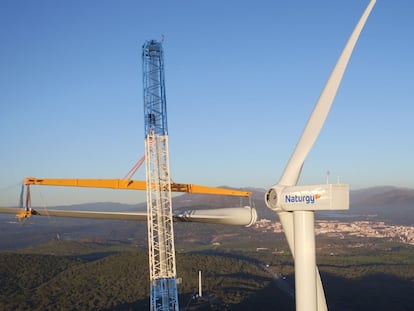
(129, 184)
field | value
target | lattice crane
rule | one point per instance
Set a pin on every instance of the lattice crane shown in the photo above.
(163, 276)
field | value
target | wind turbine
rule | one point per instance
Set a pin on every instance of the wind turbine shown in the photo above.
(296, 205)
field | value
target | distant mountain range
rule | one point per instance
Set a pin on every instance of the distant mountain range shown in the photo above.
(385, 195)
(389, 204)
(386, 203)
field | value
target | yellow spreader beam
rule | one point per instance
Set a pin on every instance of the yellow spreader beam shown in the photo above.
(126, 184)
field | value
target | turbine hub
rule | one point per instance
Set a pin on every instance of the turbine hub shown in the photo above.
(272, 198)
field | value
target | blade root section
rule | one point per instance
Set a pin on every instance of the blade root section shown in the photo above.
(238, 216)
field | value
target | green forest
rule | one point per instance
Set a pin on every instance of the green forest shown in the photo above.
(90, 275)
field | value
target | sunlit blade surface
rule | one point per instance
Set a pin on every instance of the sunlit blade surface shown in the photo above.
(10, 210)
(317, 119)
(95, 215)
(239, 216)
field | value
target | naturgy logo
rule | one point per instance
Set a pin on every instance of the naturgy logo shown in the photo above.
(295, 198)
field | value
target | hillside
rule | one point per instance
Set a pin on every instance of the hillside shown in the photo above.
(109, 280)
(66, 256)
(76, 275)
(390, 204)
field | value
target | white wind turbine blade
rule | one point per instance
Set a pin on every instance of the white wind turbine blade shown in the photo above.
(313, 127)
(95, 214)
(89, 214)
(292, 171)
(10, 210)
(238, 216)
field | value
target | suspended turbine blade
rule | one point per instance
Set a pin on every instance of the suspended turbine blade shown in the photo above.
(94, 214)
(292, 171)
(10, 210)
(239, 216)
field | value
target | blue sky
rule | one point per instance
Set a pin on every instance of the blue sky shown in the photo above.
(241, 77)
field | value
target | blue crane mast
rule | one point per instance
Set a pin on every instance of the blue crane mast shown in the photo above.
(162, 266)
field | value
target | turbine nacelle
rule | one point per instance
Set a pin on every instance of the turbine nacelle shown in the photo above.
(324, 197)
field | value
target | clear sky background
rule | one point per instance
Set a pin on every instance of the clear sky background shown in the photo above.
(241, 77)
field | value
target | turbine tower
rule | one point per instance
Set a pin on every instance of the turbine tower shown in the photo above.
(296, 205)
(163, 277)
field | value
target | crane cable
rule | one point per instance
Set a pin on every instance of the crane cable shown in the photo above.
(27, 207)
(21, 196)
(250, 202)
(134, 169)
(27, 210)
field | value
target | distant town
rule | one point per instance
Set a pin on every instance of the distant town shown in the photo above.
(368, 229)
